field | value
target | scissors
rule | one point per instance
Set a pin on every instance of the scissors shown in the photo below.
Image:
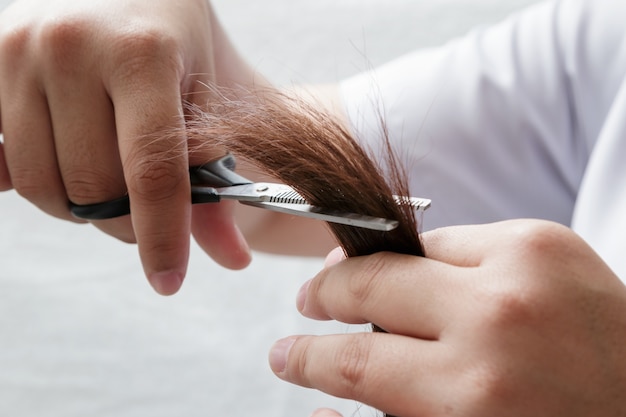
(217, 180)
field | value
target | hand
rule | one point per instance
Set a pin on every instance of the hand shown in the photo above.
(519, 318)
(87, 90)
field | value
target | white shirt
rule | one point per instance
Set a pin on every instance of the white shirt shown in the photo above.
(523, 119)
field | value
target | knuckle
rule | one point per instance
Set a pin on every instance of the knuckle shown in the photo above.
(63, 43)
(15, 43)
(25, 186)
(304, 373)
(507, 308)
(487, 387)
(155, 178)
(363, 287)
(538, 238)
(46, 192)
(353, 362)
(85, 187)
(143, 47)
(66, 43)
(520, 299)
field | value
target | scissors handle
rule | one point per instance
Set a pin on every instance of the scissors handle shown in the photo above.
(217, 173)
(99, 211)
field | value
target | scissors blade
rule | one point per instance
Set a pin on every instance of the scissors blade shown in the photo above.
(261, 192)
(333, 216)
(284, 199)
(417, 203)
(281, 193)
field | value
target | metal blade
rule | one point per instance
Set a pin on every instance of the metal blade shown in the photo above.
(333, 216)
(415, 202)
(261, 192)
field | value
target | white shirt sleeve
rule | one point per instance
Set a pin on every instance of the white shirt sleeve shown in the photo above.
(501, 123)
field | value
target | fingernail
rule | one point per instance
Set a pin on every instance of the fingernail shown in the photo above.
(325, 412)
(334, 257)
(301, 297)
(279, 354)
(166, 282)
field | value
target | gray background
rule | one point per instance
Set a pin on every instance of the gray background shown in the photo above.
(82, 334)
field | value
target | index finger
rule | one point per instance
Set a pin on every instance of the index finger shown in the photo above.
(148, 109)
(455, 245)
(473, 245)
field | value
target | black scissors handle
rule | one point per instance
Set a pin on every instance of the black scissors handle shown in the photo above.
(217, 173)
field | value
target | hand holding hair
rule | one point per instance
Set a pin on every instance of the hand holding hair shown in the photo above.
(519, 318)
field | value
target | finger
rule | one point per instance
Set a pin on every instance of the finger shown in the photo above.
(470, 245)
(86, 139)
(477, 245)
(214, 229)
(402, 294)
(392, 373)
(213, 225)
(5, 178)
(29, 148)
(147, 109)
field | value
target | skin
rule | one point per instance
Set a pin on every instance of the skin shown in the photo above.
(518, 318)
(116, 72)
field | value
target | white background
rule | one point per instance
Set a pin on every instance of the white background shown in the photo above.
(81, 332)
